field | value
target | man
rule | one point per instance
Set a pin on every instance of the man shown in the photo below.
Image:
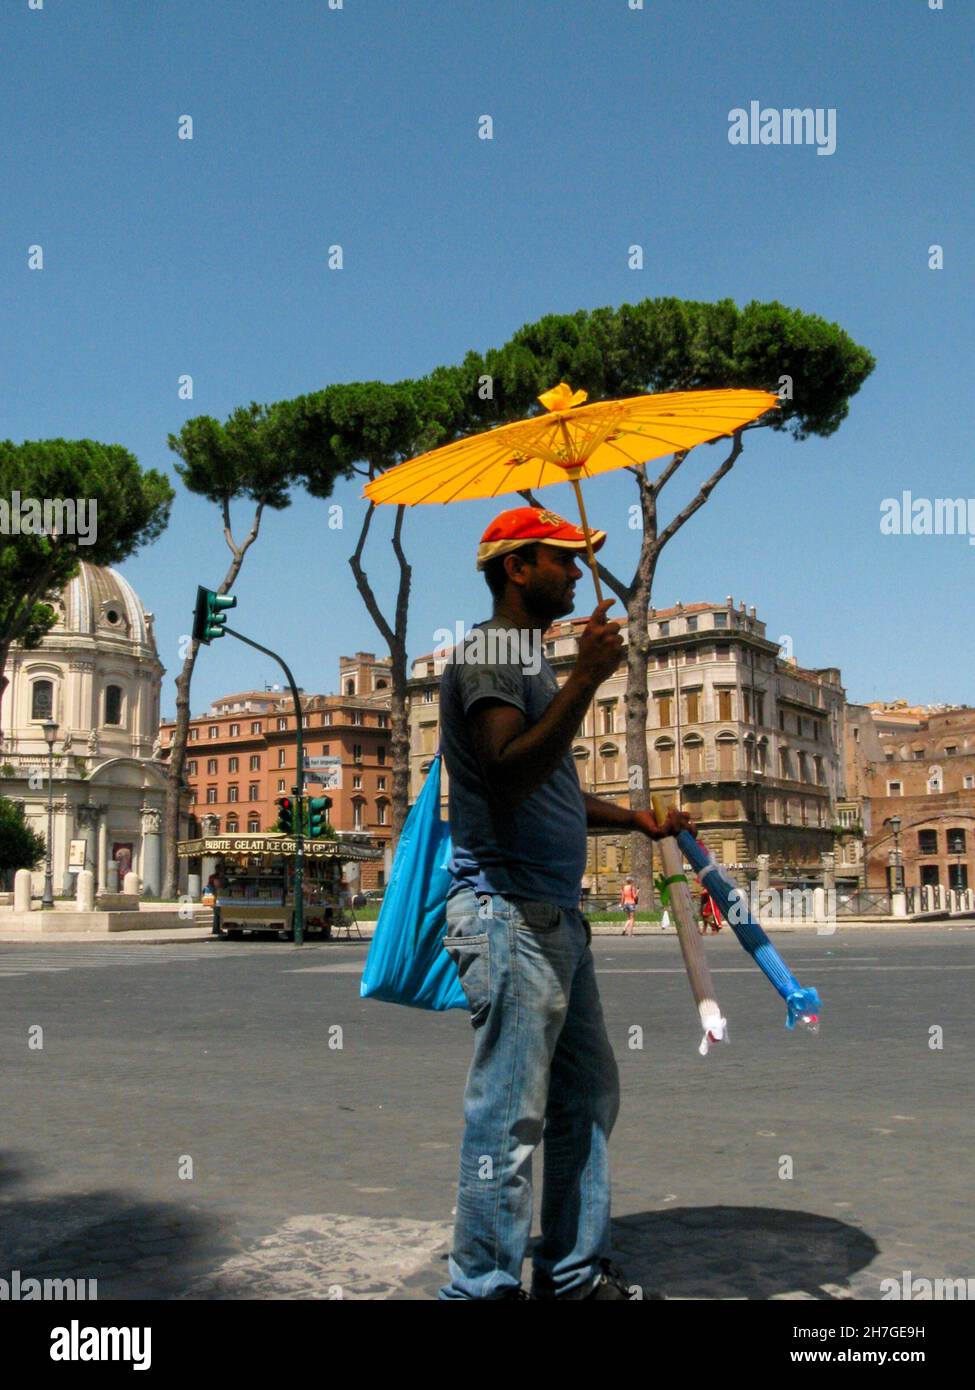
(543, 1065)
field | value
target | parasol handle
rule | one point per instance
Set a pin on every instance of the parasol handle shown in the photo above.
(585, 527)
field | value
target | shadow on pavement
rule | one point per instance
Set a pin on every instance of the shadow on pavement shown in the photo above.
(738, 1252)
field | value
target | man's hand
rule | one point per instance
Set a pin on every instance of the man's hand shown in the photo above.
(600, 646)
(676, 822)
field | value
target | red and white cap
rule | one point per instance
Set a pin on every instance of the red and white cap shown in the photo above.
(527, 525)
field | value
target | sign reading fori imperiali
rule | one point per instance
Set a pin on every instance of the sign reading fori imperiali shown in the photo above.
(274, 844)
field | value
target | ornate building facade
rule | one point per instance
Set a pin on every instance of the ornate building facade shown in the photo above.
(96, 676)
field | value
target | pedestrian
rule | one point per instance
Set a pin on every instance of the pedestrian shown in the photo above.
(543, 1063)
(585, 889)
(629, 897)
(709, 917)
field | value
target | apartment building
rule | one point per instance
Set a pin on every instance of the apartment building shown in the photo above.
(915, 765)
(749, 743)
(242, 755)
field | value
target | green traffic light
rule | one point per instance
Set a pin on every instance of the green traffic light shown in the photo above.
(318, 806)
(209, 620)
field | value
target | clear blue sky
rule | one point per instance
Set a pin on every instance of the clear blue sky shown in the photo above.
(358, 126)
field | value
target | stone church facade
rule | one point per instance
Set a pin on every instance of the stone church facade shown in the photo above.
(97, 676)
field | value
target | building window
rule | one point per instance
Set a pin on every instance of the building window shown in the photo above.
(213, 731)
(211, 766)
(253, 792)
(693, 706)
(608, 711)
(724, 704)
(350, 687)
(692, 625)
(381, 812)
(356, 781)
(665, 629)
(211, 796)
(803, 767)
(663, 712)
(234, 730)
(281, 786)
(42, 700)
(255, 762)
(782, 720)
(690, 657)
(357, 752)
(918, 754)
(721, 620)
(191, 768)
(785, 764)
(428, 696)
(665, 757)
(383, 721)
(113, 704)
(282, 722)
(935, 784)
(722, 651)
(969, 781)
(727, 751)
(357, 716)
(927, 841)
(232, 825)
(232, 792)
(282, 756)
(357, 815)
(951, 749)
(327, 719)
(380, 784)
(256, 726)
(956, 842)
(609, 757)
(694, 755)
(893, 789)
(233, 765)
(253, 824)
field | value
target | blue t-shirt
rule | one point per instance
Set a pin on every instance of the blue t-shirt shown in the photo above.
(538, 849)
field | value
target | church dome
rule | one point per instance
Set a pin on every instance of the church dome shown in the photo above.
(99, 602)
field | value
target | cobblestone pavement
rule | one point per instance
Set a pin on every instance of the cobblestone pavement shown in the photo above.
(242, 1125)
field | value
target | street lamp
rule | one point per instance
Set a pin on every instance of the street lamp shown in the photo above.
(50, 734)
(895, 824)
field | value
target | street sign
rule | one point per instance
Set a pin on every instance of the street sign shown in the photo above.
(329, 770)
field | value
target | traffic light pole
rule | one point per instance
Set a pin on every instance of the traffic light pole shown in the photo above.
(299, 790)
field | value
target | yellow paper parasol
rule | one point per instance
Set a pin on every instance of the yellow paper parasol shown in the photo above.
(569, 442)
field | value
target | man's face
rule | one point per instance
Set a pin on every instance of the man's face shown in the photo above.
(548, 586)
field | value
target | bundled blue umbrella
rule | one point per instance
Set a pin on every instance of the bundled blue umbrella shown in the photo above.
(406, 963)
(802, 1005)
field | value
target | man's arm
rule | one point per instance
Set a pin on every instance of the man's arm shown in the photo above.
(515, 761)
(607, 815)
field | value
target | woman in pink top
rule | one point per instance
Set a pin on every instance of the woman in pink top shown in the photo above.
(629, 897)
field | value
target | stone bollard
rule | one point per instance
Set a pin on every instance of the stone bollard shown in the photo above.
(22, 890)
(763, 873)
(898, 904)
(86, 891)
(111, 878)
(131, 883)
(193, 887)
(819, 904)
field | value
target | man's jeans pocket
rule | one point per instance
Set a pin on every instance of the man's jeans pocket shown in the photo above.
(536, 916)
(472, 956)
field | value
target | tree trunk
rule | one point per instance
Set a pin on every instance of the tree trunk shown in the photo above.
(177, 756)
(395, 638)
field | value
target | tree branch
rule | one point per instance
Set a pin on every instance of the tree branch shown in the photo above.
(702, 496)
(363, 585)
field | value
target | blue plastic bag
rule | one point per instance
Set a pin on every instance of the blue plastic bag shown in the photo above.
(406, 963)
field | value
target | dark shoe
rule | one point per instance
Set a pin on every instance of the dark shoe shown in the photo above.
(516, 1294)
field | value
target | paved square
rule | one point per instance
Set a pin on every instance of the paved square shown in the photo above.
(229, 1120)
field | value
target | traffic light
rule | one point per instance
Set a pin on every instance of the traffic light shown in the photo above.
(209, 619)
(285, 814)
(317, 808)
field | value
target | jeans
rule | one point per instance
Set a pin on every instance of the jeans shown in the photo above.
(543, 1067)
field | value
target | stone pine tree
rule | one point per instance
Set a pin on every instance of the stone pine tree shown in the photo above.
(67, 500)
(243, 460)
(673, 345)
(364, 428)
